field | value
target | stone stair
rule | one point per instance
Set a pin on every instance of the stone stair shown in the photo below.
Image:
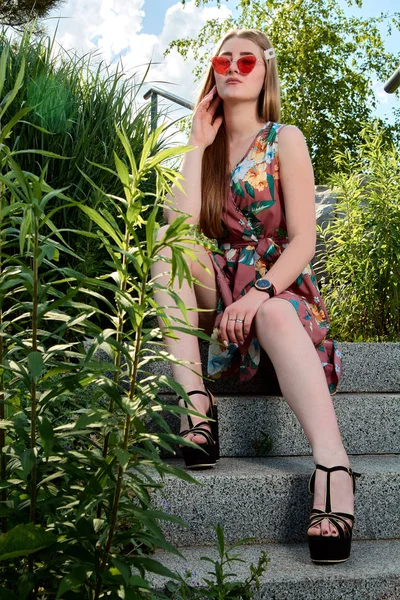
(265, 496)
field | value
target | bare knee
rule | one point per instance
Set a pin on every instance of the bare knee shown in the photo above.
(275, 316)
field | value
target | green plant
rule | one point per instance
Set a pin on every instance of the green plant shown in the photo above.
(362, 243)
(78, 464)
(220, 584)
(74, 102)
(75, 505)
(263, 444)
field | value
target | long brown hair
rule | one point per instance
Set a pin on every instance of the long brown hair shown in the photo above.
(215, 167)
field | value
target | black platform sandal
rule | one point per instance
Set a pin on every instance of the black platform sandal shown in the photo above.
(208, 455)
(329, 549)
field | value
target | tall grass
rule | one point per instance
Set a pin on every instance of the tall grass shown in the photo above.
(75, 103)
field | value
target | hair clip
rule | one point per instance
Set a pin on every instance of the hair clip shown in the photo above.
(269, 53)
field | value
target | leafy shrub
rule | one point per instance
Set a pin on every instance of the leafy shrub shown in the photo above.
(76, 478)
(362, 243)
(221, 584)
(75, 490)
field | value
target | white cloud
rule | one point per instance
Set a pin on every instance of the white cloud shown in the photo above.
(173, 72)
(109, 25)
(380, 94)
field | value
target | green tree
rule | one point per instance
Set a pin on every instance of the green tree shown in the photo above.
(18, 14)
(327, 61)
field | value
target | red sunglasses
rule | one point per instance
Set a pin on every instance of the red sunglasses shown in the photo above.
(245, 64)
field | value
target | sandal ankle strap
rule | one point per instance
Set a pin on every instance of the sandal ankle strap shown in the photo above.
(329, 470)
(210, 410)
(194, 392)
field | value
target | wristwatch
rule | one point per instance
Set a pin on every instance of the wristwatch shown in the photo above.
(265, 286)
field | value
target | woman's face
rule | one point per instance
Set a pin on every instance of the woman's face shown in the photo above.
(233, 85)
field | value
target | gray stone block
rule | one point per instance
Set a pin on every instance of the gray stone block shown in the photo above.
(367, 367)
(371, 573)
(268, 499)
(368, 424)
(370, 367)
(325, 201)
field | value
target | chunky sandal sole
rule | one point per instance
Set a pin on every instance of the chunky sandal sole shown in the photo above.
(196, 459)
(328, 549)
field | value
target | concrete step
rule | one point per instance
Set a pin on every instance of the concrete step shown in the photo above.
(268, 499)
(367, 368)
(368, 424)
(371, 573)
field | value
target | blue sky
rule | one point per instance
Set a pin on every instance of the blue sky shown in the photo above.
(134, 32)
(155, 11)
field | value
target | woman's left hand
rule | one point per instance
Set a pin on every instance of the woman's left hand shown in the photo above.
(245, 310)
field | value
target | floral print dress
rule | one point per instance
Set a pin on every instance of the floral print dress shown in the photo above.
(255, 236)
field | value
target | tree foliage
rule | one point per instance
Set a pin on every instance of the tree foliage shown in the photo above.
(327, 63)
(18, 14)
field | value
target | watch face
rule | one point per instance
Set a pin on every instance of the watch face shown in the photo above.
(263, 284)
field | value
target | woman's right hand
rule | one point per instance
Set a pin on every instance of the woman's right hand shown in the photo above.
(203, 129)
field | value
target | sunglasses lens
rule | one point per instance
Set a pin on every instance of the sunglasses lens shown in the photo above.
(246, 64)
(221, 64)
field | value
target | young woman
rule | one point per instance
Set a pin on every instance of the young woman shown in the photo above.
(249, 184)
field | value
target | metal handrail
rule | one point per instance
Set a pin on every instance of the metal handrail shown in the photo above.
(153, 92)
(393, 83)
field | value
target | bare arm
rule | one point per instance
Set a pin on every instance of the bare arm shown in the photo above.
(190, 201)
(297, 181)
(203, 133)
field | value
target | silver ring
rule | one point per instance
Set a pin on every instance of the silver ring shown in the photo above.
(239, 320)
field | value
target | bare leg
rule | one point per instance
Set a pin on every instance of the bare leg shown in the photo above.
(187, 346)
(303, 383)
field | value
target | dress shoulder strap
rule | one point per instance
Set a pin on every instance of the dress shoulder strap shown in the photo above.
(272, 131)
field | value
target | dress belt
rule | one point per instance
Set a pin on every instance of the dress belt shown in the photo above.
(239, 244)
(243, 243)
